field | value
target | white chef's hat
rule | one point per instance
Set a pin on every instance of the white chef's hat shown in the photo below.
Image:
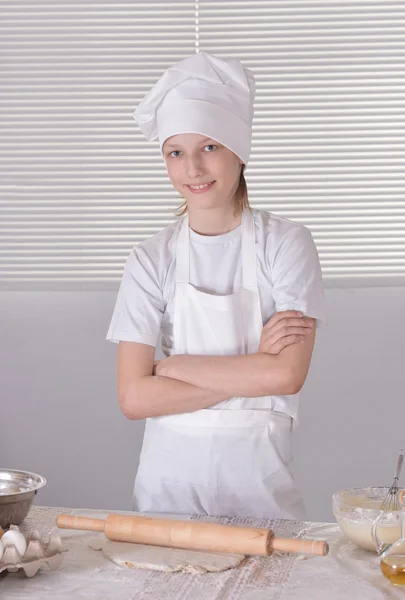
(201, 94)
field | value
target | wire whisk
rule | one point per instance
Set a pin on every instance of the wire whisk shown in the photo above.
(391, 500)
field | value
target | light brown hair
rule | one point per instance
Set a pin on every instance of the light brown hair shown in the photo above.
(241, 197)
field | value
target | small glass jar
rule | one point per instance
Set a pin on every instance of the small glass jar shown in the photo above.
(392, 556)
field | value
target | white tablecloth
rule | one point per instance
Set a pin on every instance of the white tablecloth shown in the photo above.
(347, 572)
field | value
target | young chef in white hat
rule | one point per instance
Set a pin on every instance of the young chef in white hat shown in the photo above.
(230, 292)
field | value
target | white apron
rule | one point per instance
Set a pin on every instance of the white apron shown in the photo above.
(221, 461)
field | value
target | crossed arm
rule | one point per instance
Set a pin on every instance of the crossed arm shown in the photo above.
(185, 383)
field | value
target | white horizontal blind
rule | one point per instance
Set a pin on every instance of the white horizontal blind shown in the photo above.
(79, 185)
(329, 127)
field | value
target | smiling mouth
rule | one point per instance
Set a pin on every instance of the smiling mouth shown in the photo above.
(203, 187)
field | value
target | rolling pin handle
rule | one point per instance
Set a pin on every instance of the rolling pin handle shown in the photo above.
(310, 547)
(83, 523)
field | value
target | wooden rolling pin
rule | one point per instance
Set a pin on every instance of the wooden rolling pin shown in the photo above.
(192, 535)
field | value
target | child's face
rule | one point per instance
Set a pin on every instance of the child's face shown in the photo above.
(193, 160)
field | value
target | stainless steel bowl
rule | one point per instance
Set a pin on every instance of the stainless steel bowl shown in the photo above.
(17, 491)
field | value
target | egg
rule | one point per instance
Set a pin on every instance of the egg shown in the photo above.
(14, 538)
(1, 549)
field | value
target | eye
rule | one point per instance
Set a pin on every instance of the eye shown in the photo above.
(210, 147)
(175, 153)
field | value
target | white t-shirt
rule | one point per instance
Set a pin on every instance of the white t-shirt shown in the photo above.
(288, 276)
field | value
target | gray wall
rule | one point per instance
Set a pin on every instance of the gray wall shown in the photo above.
(60, 418)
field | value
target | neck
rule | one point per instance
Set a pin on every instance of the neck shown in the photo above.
(215, 221)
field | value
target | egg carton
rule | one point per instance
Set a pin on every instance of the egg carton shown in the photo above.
(38, 553)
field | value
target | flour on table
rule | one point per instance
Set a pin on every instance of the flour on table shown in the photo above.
(171, 560)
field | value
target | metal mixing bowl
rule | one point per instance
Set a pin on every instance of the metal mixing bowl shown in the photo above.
(17, 491)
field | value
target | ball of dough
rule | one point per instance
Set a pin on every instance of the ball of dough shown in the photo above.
(15, 538)
(1, 549)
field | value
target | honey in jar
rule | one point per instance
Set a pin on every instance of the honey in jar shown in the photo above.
(393, 567)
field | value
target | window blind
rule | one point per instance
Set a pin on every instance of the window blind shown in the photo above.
(80, 186)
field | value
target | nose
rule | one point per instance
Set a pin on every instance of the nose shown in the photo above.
(194, 167)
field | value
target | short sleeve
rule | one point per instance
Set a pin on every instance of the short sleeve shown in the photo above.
(139, 306)
(297, 276)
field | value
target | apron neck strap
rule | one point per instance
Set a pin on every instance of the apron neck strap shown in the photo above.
(248, 252)
(183, 253)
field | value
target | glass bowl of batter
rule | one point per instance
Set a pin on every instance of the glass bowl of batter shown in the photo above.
(357, 509)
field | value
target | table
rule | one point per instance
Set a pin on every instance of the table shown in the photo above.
(346, 573)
